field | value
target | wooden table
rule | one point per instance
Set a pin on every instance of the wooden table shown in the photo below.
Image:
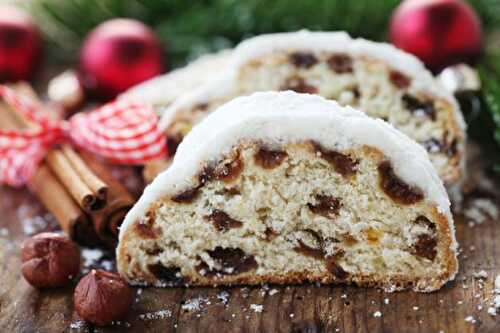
(461, 306)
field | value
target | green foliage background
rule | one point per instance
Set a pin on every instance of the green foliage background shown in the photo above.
(188, 28)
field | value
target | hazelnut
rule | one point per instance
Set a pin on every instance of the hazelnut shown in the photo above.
(102, 297)
(49, 260)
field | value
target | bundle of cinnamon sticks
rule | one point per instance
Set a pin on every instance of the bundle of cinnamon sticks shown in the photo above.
(75, 187)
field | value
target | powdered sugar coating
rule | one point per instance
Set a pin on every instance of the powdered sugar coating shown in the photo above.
(341, 42)
(285, 117)
(164, 89)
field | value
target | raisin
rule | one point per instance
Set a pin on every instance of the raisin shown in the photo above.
(153, 251)
(336, 270)
(232, 261)
(206, 175)
(299, 85)
(170, 275)
(229, 170)
(414, 105)
(325, 205)
(399, 79)
(303, 59)
(222, 221)
(144, 228)
(340, 63)
(270, 234)
(309, 251)
(452, 148)
(395, 188)
(342, 163)
(432, 145)
(172, 144)
(422, 220)
(201, 106)
(269, 159)
(316, 251)
(226, 170)
(426, 246)
(187, 196)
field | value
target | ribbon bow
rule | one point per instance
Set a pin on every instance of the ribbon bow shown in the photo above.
(121, 132)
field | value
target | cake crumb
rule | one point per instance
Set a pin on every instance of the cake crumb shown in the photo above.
(492, 311)
(193, 304)
(481, 210)
(160, 314)
(497, 282)
(470, 319)
(79, 324)
(377, 314)
(273, 292)
(415, 308)
(257, 308)
(223, 296)
(482, 274)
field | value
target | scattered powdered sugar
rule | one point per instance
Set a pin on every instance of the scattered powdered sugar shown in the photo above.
(481, 210)
(497, 282)
(257, 308)
(160, 314)
(482, 274)
(273, 292)
(386, 301)
(492, 311)
(470, 319)
(194, 304)
(4, 232)
(96, 258)
(91, 256)
(377, 314)
(79, 324)
(223, 296)
(33, 225)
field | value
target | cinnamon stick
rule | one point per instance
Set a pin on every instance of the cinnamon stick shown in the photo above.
(53, 195)
(84, 186)
(96, 185)
(71, 180)
(79, 174)
(108, 220)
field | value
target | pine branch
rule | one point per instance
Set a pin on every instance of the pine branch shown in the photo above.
(489, 72)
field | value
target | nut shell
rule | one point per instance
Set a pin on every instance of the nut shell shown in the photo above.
(102, 297)
(49, 260)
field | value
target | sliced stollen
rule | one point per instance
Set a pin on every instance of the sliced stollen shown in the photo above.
(281, 187)
(377, 78)
(161, 91)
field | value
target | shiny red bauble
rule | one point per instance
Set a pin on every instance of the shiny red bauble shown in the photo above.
(118, 54)
(439, 32)
(20, 45)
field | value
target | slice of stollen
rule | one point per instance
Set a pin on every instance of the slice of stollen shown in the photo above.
(288, 188)
(376, 78)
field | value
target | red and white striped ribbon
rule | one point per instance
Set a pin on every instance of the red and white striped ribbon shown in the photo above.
(122, 132)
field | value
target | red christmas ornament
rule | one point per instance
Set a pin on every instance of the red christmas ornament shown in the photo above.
(439, 32)
(118, 54)
(20, 45)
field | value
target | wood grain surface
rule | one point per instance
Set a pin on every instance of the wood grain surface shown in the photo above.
(461, 306)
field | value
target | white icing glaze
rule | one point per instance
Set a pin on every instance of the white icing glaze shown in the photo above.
(304, 40)
(281, 117)
(164, 89)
